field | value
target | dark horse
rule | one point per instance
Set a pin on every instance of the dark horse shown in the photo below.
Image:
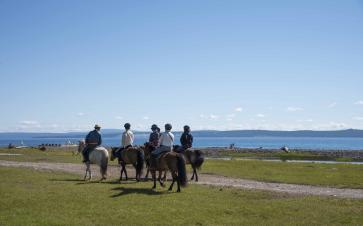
(171, 161)
(131, 155)
(148, 148)
(192, 157)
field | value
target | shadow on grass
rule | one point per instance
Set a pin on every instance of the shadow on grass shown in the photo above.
(145, 191)
(67, 180)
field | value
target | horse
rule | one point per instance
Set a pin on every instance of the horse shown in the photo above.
(97, 156)
(193, 157)
(169, 161)
(131, 155)
(148, 148)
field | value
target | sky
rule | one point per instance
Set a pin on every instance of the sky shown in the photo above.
(224, 65)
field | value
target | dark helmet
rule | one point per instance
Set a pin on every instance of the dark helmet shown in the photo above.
(158, 129)
(127, 125)
(186, 128)
(168, 126)
(154, 127)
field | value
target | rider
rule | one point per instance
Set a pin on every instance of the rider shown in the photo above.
(127, 137)
(186, 139)
(93, 139)
(154, 137)
(166, 141)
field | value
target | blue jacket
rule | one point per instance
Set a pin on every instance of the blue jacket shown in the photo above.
(94, 137)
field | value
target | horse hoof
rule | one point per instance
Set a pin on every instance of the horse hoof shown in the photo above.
(162, 185)
(153, 187)
(178, 190)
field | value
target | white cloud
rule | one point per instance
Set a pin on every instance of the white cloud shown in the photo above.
(238, 109)
(332, 105)
(211, 116)
(359, 118)
(214, 117)
(293, 109)
(118, 117)
(146, 118)
(29, 123)
(260, 115)
(359, 102)
(305, 120)
(80, 114)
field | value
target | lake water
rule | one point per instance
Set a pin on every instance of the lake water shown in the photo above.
(242, 142)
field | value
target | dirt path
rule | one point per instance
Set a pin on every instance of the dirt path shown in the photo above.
(205, 179)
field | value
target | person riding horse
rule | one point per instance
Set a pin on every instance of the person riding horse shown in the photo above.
(186, 139)
(127, 139)
(93, 140)
(154, 137)
(166, 142)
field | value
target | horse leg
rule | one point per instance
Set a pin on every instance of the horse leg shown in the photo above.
(172, 184)
(121, 172)
(90, 174)
(164, 178)
(153, 175)
(193, 173)
(147, 174)
(160, 181)
(85, 175)
(178, 183)
(196, 175)
(125, 172)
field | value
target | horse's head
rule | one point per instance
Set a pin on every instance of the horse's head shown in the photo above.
(113, 153)
(81, 145)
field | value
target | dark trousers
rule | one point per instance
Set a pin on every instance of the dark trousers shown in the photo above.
(87, 150)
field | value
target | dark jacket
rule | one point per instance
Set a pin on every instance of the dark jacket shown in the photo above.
(186, 140)
(154, 139)
(93, 138)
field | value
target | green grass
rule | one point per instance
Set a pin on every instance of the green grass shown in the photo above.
(294, 155)
(41, 198)
(35, 155)
(334, 175)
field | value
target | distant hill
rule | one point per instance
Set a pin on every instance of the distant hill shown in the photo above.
(202, 133)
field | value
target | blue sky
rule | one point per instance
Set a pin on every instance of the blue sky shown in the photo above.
(285, 65)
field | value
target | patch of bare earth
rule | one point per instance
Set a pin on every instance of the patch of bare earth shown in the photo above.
(205, 179)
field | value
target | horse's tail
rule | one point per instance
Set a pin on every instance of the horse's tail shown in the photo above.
(182, 172)
(103, 166)
(140, 161)
(199, 159)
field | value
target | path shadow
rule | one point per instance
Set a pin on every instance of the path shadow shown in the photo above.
(146, 191)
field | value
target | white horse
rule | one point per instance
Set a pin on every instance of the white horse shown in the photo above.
(98, 156)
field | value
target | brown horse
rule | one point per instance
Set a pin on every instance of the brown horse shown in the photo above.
(171, 161)
(131, 155)
(148, 148)
(193, 157)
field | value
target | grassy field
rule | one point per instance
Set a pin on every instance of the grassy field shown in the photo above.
(35, 155)
(42, 198)
(334, 175)
(293, 155)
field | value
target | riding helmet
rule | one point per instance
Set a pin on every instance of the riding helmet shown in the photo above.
(168, 126)
(186, 128)
(154, 127)
(127, 125)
